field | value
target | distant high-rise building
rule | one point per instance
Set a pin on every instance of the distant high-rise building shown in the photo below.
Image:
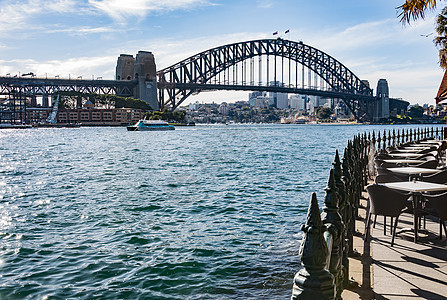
(223, 109)
(258, 99)
(259, 102)
(278, 100)
(194, 106)
(297, 102)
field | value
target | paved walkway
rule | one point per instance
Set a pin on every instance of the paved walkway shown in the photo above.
(404, 271)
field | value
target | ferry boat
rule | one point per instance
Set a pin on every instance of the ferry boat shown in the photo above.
(150, 125)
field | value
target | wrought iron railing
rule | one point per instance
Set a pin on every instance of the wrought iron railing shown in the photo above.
(328, 236)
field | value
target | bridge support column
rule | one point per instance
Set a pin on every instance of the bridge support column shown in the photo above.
(382, 109)
(146, 74)
(45, 100)
(33, 102)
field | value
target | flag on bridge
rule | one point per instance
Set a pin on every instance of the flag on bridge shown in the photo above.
(275, 33)
(287, 31)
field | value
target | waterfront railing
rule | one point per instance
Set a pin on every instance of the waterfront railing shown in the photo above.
(328, 235)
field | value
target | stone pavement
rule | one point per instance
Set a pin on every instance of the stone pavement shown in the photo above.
(404, 271)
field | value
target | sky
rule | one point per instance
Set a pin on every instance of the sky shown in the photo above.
(85, 37)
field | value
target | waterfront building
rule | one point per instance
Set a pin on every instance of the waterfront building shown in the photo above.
(37, 114)
(100, 116)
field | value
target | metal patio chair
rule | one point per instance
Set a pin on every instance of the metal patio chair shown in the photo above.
(388, 203)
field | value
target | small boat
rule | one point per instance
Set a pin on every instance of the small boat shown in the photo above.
(150, 125)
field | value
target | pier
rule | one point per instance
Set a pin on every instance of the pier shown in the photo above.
(342, 260)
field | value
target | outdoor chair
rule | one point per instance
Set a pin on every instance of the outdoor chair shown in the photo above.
(436, 205)
(428, 150)
(386, 202)
(383, 156)
(385, 171)
(385, 178)
(390, 149)
(429, 164)
(428, 155)
(440, 177)
(390, 165)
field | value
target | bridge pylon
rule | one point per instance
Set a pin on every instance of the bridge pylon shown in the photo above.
(141, 69)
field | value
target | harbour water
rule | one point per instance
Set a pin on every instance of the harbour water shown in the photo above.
(205, 212)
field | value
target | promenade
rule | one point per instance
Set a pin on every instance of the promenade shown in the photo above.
(407, 270)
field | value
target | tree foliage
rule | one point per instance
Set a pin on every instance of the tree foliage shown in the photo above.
(441, 39)
(121, 102)
(415, 9)
(323, 112)
(71, 99)
(165, 114)
(416, 112)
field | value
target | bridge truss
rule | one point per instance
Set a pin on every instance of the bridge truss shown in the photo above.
(30, 87)
(275, 65)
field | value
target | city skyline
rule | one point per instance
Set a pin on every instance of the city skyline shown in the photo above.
(84, 38)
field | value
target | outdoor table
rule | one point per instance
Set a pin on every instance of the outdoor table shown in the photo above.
(416, 148)
(406, 150)
(416, 188)
(413, 170)
(432, 142)
(404, 161)
(401, 154)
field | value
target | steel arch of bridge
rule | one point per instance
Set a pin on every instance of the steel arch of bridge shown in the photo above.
(195, 73)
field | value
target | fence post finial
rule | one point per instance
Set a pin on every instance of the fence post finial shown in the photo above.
(313, 281)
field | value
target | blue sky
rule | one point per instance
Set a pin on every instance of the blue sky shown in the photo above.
(84, 38)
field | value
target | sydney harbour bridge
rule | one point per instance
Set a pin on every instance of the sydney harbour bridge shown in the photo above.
(271, 65)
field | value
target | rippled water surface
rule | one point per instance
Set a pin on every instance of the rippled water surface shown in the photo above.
(207, 212)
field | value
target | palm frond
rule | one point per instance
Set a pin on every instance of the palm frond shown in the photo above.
(412, 10)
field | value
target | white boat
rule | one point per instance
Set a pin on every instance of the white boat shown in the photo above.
(150, 125)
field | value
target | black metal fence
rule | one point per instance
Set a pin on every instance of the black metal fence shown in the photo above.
(328, 236)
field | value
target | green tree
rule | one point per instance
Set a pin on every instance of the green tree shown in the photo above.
(416, 112)
(441, 39)
(323, 112)
(166, 114)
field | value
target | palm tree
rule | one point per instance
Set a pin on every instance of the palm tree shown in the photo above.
(412, 10)
(415, 9)
(441, 39)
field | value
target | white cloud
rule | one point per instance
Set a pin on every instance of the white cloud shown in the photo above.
(265, 3)
(83, 30)
(122, 9)
(81, 66)
(16, 16)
